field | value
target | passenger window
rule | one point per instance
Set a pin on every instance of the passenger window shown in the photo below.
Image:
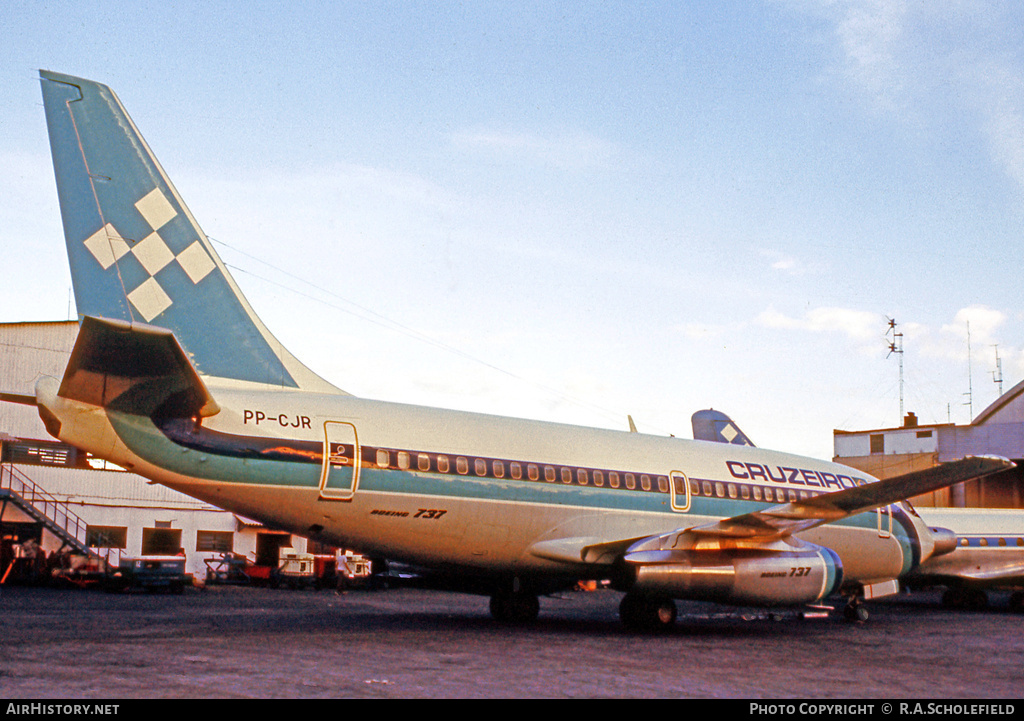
(581, 477)
(757, 493)
(645, 482)
(480, 467)
(443, 465)
(566, 475)
(732, 490)
(532, 471)
(499, 469)
(462, 465)
(630, 481)
(516, 470)
(423, 462)
(707, 488)
(383, 459)
(663, 485)
(598, 478)
(720, 489)
(403, 460)
(549, 474)
(745, 492)
(613, 479)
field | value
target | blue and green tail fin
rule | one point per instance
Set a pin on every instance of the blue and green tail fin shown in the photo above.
(137, 254)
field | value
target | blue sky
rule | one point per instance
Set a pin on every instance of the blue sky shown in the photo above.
(576, 211)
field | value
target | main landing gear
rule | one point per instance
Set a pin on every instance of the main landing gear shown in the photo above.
(855, 611)
(963, 598)
(647, 613)
(1017, 601)
(514, 606)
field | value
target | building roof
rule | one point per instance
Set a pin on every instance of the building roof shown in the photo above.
(1007, 408)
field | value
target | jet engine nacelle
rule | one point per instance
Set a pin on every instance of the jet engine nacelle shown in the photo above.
(744, 578)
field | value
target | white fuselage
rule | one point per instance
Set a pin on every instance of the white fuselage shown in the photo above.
(462, 490)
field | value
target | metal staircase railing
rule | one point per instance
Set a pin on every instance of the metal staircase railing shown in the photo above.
(41, 505)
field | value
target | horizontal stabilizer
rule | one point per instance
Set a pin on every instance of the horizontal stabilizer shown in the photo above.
(135, 369)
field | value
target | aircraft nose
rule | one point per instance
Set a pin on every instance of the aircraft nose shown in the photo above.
(945, 541)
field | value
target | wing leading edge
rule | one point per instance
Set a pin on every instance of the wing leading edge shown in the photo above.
(778, 522)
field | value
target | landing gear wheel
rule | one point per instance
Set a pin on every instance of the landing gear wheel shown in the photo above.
(953, 598)
(647, 613)
(517, 607)
(977, 600)
(1017, 601)
(968, 599)
(855, 612)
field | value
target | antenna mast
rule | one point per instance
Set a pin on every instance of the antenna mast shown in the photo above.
(896, 346)
(997, 374)
(970, 383)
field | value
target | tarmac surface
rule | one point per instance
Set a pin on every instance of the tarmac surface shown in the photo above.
(233, 642)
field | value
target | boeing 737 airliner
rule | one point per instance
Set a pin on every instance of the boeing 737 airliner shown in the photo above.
(175, 377)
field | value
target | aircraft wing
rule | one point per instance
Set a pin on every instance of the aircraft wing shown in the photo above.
(583, 549)
(777, 522)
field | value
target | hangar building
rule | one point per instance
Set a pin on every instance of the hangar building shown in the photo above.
(997, 430)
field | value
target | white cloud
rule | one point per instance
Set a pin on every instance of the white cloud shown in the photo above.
(857, 325)
(1001, 97)
(783, 263)
(950, 341)
(982, 322)
(870, 33)
(961, 57)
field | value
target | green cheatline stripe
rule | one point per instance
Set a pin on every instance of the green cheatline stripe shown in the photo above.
(151, 443)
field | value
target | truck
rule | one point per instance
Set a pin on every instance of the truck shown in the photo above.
(151, 573)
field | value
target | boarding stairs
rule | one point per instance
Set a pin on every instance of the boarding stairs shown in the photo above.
(19, 490)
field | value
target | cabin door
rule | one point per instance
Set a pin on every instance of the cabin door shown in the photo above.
(679, 491)
(339, 477)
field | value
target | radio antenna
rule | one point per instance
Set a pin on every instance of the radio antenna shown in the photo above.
(896, 346)
(997, 374)
(970, 383)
